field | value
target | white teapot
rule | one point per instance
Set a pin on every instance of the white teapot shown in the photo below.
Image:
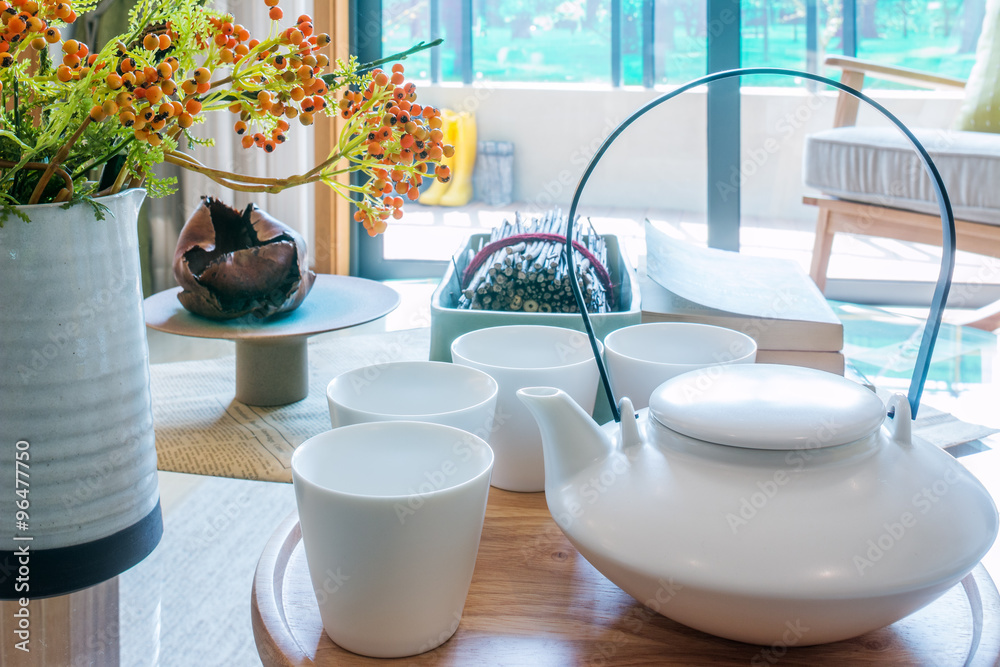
(754, 501)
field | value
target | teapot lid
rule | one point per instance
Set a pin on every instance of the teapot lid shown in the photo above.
(767, 406)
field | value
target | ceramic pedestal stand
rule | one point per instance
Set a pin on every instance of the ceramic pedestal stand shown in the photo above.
(272, 372)
(272, 365)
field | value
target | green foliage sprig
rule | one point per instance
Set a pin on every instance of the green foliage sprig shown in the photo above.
(99, 121)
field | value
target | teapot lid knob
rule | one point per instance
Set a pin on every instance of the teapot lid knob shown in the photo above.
(767, 406)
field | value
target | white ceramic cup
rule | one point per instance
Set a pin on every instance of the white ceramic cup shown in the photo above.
(519, 356)
(642, 357)
(391, 515)
(426, 391)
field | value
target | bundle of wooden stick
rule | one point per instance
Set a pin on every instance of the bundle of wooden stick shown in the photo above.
(523, 268)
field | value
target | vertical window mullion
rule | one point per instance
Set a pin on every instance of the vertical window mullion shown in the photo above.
(850, 28)
(723, 124)
(648, 53)
(435, 34)
(366, 44)
(812, 36)
(467, 73)
(616, 43)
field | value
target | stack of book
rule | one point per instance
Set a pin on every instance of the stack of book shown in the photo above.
(771, 300)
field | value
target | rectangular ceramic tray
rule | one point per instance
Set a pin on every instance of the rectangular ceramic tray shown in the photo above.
(449, 322)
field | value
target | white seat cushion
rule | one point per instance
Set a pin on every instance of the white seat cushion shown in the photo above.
(878, 165)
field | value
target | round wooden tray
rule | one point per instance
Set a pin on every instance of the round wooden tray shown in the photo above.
(534, 600)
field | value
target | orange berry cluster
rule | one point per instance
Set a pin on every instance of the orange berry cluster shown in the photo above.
(31, 22)
(403, 139)
(146, 94)
(261, 140)
(137, 89)
(295, 89)
(77, 60)
(147, 89)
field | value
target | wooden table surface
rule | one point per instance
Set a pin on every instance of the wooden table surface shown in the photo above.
(535, 601)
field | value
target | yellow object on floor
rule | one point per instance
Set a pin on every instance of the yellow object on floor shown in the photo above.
(432, 195)
(464, 161)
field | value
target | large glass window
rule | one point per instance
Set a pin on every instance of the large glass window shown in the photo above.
(631, 43)
(774, 34)
(657, 43)
(572, 41)
(450, 29)
(680, 36)
(932, 35)
(404, 23)
(565, 41)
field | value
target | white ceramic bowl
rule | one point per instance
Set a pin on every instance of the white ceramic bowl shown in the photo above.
(518, 356)
(643, 356)
(427, 391)
(391, 516)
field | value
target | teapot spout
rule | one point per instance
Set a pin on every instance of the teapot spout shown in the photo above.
(571, 439)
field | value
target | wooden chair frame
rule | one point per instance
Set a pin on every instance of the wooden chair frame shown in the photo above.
(839, 215)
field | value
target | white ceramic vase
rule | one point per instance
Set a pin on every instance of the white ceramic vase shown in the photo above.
(76, 430)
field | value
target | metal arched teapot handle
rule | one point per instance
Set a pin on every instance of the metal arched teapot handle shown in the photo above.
(941, 289)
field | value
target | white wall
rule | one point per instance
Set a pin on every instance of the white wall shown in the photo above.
(660, 160)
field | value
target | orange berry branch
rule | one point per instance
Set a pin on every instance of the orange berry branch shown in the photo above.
(133, 103)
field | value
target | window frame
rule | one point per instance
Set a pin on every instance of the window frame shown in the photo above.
(723, 105)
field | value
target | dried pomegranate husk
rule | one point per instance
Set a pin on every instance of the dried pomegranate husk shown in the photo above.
(231, 264)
